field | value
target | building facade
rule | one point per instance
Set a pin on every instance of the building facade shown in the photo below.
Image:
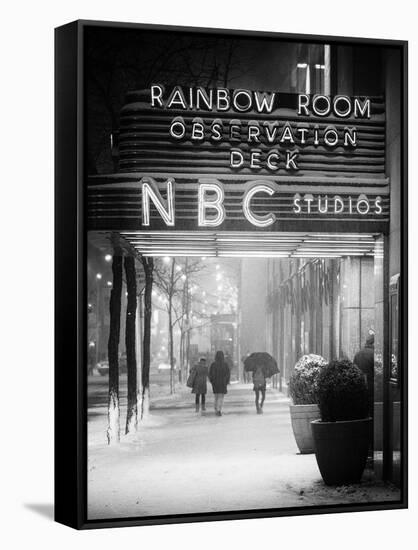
(303, 188)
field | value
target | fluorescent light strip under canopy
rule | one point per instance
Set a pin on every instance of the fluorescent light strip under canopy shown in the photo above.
(251, 244)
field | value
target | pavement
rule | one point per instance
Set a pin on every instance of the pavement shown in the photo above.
(183, 462)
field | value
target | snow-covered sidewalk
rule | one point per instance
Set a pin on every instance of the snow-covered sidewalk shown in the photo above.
(181, 462)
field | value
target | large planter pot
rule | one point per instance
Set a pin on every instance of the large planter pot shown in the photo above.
(301, 417)
(341, 449)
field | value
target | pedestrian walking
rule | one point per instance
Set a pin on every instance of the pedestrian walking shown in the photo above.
(364, 359)
(219, 375)
(259, 381)
(263, 366)
(199, 383)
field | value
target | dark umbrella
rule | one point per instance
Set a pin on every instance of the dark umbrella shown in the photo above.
(261, 359)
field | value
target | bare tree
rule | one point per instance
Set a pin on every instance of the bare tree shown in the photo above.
(148, 265)
(173, 278)
(113, 430)
(130, 337)
(168, 281)
(117, 64)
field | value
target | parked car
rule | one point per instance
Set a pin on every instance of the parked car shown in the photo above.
(103, 368)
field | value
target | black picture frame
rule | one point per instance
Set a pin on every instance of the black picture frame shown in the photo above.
(70, 281)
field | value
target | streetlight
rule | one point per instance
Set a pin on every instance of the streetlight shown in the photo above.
(108, 257)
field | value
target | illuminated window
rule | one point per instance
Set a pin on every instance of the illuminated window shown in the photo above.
(313, 70)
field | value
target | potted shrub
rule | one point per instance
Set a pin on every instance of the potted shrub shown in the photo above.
(303, 391)
(341, 437)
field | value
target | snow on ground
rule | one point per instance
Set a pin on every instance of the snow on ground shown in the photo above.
(181, 462)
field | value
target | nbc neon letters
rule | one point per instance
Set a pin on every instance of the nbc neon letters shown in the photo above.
(210, 207)
(211, 212)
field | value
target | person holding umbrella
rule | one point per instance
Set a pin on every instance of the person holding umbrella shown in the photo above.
(219, 375)
(263, 366)
(259, 381)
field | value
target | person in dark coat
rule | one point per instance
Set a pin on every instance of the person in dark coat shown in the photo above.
(219, 375)
(364, 359)
(199, 383)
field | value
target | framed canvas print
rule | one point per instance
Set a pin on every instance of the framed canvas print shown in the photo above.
(231, 292)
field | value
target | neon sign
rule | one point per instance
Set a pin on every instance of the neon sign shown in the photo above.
(211, 211)
(283, 137)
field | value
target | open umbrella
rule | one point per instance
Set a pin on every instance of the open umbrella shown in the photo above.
(261, 359)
